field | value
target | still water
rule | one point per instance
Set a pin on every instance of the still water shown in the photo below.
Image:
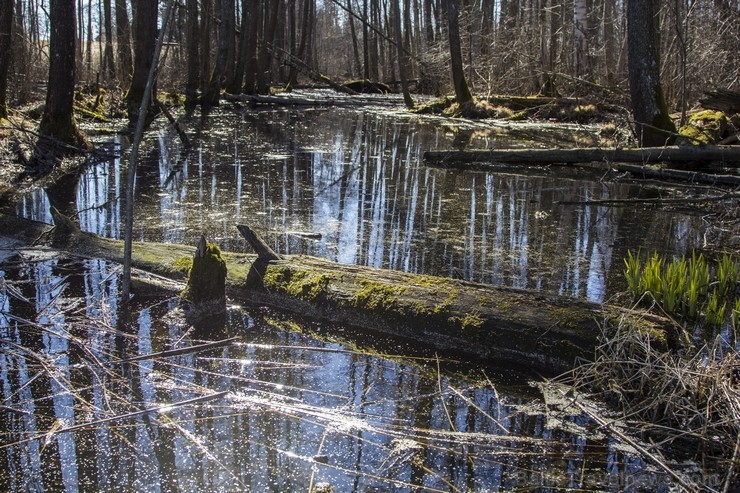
(351, 186)
(288, 406)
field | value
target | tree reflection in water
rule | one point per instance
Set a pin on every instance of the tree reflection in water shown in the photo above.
(355, 179)
(295, 411)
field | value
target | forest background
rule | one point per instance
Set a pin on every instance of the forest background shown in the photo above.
(518, 47)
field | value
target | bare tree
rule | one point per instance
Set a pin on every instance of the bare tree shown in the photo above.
(146, 15)
(580, 40)
(226, 34)
(462, 92)
(402, 63)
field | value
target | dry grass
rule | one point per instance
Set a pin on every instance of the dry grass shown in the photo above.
(688, 404)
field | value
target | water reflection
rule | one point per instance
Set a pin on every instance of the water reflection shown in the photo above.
(297, 411)
(349, 186)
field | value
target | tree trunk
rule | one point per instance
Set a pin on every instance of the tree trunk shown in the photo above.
(401, 55)
(204, 35)
(146, 15)
(462, 93)
(109, 66)
(250, 55)
(653, 125)
(123, 41)
(357, 66)
(57, 122)
(545, 331)
(305, 33)
(235, 85)
(6, 33)
(265, 59)
(193, 63)
(225, 35)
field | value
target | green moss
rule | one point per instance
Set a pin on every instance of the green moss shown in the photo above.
(519, 116)
(705, 127)
(570, 318)
(444, 307)
(375, 296)
(471, 321)
(287, 325)
(297, 283)
(207, 279)
(182, 264)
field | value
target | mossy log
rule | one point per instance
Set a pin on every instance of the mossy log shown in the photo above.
(497, 324)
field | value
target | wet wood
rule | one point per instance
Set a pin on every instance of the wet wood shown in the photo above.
(474, 320)
(263, 250)
(615, 159)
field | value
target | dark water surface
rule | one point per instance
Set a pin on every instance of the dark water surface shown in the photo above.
(303, 407)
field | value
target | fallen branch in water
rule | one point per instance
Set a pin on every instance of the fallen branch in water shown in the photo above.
(181, 351)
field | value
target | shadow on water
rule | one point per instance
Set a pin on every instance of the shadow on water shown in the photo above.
(86, 409)
(350, 186)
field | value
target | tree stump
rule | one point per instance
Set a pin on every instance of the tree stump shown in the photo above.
(204, 295)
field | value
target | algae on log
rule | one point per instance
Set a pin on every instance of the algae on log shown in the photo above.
(497, 324)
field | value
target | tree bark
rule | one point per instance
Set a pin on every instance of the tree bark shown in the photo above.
(401, 56)
(580, 39)
(462, 92)
(648, 104)
(109, 66)
(264, 78)
(604, 158)
(58, 123)
(6, 33)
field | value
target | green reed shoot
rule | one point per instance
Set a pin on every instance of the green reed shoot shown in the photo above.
(651, 276)
(673, 286)
(632, 272)
(682, 286)
(715, 313)
(727, 275)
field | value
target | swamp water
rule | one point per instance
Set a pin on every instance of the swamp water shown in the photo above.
(300, 406)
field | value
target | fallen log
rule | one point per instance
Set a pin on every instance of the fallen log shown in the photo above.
(294, 100)
(497, 324)
(616, 159)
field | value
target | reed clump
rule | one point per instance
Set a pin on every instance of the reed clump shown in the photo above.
(684, 287)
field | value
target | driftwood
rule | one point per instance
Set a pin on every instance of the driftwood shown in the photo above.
(615, 159)
(516, 326)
